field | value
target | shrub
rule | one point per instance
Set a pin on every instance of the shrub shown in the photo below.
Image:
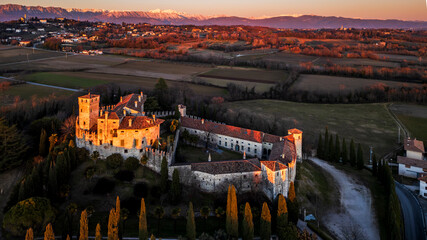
(131, 163)
(32, 212)
(140, 190)
(125, 175)
(114, 161)
(104, 186)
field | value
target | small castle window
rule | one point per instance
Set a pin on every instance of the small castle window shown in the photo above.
(136, 131)
(255, 150)
(122, 131)
(102, 121)
(122, 142)
(84, 123)
(81, 109)
(100, 131)
(114, 122)
(225, 144)
(249, 149)
(243, 148)
(126, 151)
(220, 142)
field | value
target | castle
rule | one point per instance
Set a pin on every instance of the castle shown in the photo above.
(268, 162)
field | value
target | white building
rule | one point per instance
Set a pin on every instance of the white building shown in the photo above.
(423, 186)
(413, 164)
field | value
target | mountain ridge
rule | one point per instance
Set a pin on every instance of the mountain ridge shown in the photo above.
(163, 17)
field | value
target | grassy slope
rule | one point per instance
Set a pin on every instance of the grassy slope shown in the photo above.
(417, 126)
(369, 124)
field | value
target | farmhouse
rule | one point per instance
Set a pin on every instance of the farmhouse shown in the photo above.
(125, 129)
(414, 163)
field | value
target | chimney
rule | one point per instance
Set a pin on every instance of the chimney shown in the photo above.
(139, 98)
(142, 94)
(121, 98)
(154, 118)
(106, 115)
(281, 139)
(124, 112)
(283, 155)
(130, 122)
(136, 104)
(100, 112)
(203, 121)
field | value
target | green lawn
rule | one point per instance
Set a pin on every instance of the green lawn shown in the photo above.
(417, 126)
(63, 80)
(368, 124)
(190, 154)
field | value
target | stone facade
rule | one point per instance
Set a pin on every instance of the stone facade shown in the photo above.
(125, 129)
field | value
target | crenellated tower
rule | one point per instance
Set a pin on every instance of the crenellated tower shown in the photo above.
(88, 111)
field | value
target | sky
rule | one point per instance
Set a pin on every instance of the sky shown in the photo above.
(372, 9)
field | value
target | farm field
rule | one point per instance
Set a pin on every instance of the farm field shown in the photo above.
(332, 84)
(414, 117)
(259, 87)
(27, 92)
(164, 67)
(368, 124)
(11, 55)
(246, 74)
(87, 79)
(63, 80)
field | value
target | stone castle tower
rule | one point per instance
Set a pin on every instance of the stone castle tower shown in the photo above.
(88, 111)
(297, 135)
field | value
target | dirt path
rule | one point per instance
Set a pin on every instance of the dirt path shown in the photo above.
(355, 218)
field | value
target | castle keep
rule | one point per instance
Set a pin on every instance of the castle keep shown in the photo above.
(124, 129)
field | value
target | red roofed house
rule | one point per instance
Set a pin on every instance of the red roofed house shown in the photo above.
(423, 185)
(414, 163)
(122, 128)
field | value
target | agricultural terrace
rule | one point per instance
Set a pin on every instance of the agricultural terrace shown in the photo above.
(332, 84)
(368, 124)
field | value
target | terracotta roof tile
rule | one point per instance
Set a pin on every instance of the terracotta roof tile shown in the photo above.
(128, 101)
(412, 162)
(227, 130)
(226, 167)
(274, 165)
(283, 151)
(111, 115)
(139, 122)
(414, 145)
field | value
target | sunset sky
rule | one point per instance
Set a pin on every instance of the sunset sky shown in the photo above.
(378, 9)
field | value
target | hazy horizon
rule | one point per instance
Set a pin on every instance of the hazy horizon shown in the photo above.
(381, 9)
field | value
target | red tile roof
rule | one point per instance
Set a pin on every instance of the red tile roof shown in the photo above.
(226, 167)
(414, 145)
(111, 115)
(283, 151)
(139, 122)
(295, 131)
(412, 162)
(227, 130)
(274, 165)
(128, 101)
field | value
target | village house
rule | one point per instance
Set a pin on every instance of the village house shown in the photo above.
(413, 164)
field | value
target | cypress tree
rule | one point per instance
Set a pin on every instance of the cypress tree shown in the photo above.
(344, 153)
(143, 232)
(228, 211)
(291, 194)
(98, 235)
(282, 217)
(374, 165)
(191, 224)
(352, 153)
(12, 146)
(248, 224)
(232, 218)
(326, 145)
(113, 231)
(175, 187)
(84, 230)
(320, 147)
(360, 161)
(337, 149)
(164, 175)
(48, 234)
(331, 151)
(42, 143)
(29, 235)
(265, 223)
(53, 181)
(152, 237)
(68, 237)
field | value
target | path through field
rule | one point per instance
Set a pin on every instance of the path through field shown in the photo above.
(355, 218)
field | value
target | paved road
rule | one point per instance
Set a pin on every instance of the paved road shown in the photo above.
(44, 85)
(412, 217)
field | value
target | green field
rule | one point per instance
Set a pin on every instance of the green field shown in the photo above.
(23, 54)
(368, 124)
(63, 80)
(259, 87)
(417, 126)
(27, 91)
